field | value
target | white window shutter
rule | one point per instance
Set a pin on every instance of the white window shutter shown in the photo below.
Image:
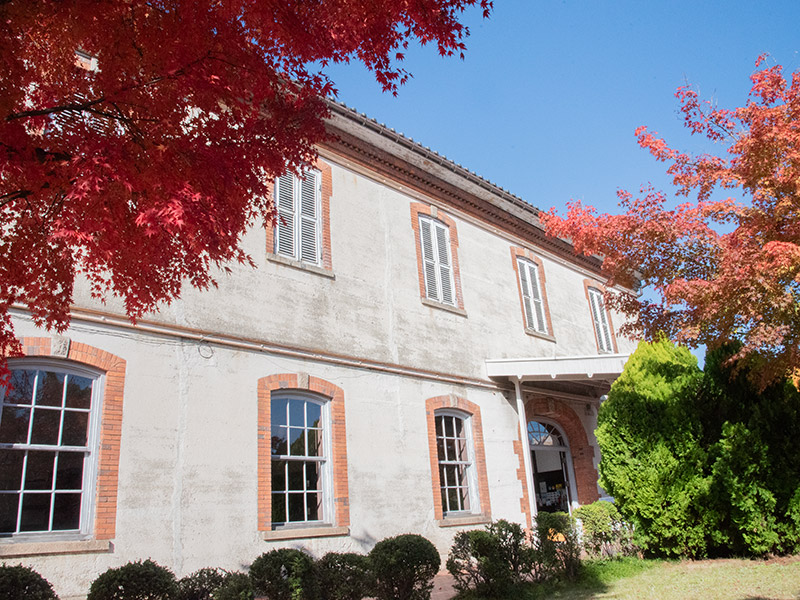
(526, 294)
(309, 218)
(428, 259)
(285, 227)
(536, 296)
(445, 269)
(600, 320)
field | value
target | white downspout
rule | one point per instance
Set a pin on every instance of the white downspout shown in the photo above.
(526, 447)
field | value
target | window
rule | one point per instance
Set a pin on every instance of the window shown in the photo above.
(532, 299)
(437, 264)
(602, 328)
(48, 447)
(299, 463)
(456, 471)
(297, 232)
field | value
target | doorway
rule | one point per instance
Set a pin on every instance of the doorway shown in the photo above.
(550, 460)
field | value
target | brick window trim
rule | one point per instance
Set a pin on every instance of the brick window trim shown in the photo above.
(589, 283)
(326, 264)
(106, 487)
(417, 209)
(581, 452)
(473, 412)
(516, 253)
(302, 382)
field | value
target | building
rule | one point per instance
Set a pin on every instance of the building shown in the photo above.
(370, 378)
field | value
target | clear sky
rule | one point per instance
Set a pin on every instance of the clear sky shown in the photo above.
(550, 92)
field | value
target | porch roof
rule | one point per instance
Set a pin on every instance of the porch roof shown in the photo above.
(603, 368)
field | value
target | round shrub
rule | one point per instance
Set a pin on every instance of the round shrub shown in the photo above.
(201, 584)
(604, 531)
(25, 583)
(284, 574)
(404, 567)
(140, 580)
(236, 586)
(344, 576)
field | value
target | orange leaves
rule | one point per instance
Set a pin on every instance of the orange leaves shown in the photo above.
(714, 270)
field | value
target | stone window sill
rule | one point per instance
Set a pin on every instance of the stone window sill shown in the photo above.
(443, 306)
(539, 334)
(300, 265)
(290, 533)
(463, 521)
(13, 549)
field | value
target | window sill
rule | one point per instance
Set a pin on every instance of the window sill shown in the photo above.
(304, 532)
(443, 306)
(462, 521)
(13, 549)
(300, 265)
(539, 334)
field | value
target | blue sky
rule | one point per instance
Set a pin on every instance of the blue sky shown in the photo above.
(550, 92)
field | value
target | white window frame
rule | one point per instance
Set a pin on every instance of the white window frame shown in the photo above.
(298, 234)
(324, 462)
(437, 260)
(532, 296)
(91, 449)
(602, 327)
(469, 463)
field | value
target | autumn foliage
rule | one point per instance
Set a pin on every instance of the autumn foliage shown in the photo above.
(715, 268)
(139, 139)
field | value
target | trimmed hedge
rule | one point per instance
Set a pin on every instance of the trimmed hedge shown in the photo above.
(285, 574)
(24, 583)
(404, 567)
(345, 576)
(201, 584)
(140, 580)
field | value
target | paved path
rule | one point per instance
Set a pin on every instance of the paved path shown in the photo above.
(443, 586)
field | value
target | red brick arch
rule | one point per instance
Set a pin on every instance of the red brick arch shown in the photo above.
(580, 449)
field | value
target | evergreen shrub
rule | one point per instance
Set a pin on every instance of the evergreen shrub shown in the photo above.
(284, 574)
(344, 576)
(139, 580)
(17, 581)
(557, 548)
(603, 531)
(201, 584)
(235, 586)
(404, 567)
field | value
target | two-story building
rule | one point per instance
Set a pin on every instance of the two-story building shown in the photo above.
(412, 354)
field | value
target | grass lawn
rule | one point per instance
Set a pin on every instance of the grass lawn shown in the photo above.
(633, 579)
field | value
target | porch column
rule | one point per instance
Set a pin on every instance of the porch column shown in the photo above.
(526, 447)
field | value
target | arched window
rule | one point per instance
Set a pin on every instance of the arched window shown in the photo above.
(550, 458)
(300, 466)
(48, 447)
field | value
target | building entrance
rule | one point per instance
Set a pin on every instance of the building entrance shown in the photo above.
(549, 459)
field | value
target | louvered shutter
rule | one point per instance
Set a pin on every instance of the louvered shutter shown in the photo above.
(445, 270)
(285, 228)
(526, 293)
(536, 296)
(309, 212)
(600, 320)
(428, 258)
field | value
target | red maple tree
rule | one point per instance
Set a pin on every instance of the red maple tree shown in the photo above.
(139, 139)
(720, 270)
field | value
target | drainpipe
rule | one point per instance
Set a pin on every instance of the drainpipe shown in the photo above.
(526, 448)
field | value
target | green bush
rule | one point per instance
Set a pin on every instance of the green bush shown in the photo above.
(490, 561)
(557, 549)
(140, 580)
(235, 586)
(285, 574)
(404, 567)
(201, 584)
(24, 583)
(344, 576)
(604, 532)
(702, 462)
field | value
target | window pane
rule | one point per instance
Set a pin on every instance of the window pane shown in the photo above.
(35, 512)
(67, 512)
(461, 449)
(465, 498)
(442, 476)
(296, 508)
(279, 440)
(314, 414)
(297, 442)
(450, 472)
(440, 448)
(39, 470)
(313, 479)
(296, 475)
(445, 507)
(11, 469)
(278, 475)
(278, 412)
(9, 504)
(314, 442)
(448, 426)
(313, 507)
(69, 473)
(21, 388)
(14, 425)
(450, 449)
(439, 426)
(453, 499)
(75, 428)
(278, 508)
(297, 413)
(45, 426)
(459, 425)
(79, 392)
(50, 390)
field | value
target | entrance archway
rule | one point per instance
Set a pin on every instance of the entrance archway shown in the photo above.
(551, 463)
